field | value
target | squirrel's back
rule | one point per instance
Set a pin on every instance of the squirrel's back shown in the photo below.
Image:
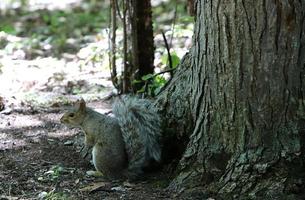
(141, 129)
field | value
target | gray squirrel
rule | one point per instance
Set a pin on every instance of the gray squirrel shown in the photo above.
(124, 144)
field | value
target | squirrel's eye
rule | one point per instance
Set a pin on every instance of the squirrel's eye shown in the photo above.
(71, 115)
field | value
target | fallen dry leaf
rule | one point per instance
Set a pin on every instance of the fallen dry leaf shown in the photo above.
(94, 187)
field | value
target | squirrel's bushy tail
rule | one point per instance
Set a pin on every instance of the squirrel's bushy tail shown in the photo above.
(141, 128)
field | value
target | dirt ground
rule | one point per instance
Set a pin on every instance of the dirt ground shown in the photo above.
(39, 159)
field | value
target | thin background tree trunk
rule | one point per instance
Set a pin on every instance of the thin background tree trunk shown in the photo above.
(142, 39)
(113, 17)
(126, 65)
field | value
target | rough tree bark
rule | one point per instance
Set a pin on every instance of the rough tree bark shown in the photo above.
(239, 98)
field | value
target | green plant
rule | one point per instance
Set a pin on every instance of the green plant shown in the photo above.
(55, 172)
(152, 84)
(174, 57)
(8, 28)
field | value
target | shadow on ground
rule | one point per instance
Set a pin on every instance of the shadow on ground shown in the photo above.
(39, 158)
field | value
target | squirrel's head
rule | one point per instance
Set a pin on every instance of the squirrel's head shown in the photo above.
(75, 116)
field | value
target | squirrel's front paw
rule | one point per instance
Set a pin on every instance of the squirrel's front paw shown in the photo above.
(94, 173)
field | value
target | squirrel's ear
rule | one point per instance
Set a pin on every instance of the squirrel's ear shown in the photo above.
(82, 105)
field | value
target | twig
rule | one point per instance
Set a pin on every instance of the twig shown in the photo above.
(163, 72)
(118, 9)
(168, 53)
(174, 24)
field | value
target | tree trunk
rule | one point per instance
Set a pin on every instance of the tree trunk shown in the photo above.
(239, 98)
(191, 7)
(142, 39)
(112, 63)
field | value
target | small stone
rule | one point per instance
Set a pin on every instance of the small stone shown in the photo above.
(42, 195)
(68, 143)
(118, 188)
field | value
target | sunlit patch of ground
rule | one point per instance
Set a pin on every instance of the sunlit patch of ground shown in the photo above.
(33, 71)
(43, 79)
(39, 4)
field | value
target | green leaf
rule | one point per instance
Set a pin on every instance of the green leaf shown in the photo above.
(147, 77)
(141, 90)
(175, 60)
(46, 18)
(160, 80)
(157, 90)
(8, 29)
(136, 81)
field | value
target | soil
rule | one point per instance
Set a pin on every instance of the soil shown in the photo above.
(40, 159)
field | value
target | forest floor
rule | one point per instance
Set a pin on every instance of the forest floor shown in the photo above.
(39, 159)
(48, 59)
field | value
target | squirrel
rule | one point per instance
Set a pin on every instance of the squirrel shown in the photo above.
(123, 145)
